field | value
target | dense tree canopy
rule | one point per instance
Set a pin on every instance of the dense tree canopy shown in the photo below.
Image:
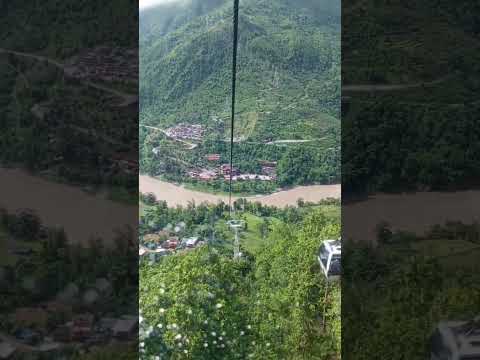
(203, 304)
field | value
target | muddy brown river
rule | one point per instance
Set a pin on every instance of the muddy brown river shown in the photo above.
(84, 215)
(81, 214)
(178, 195)
(414, 212)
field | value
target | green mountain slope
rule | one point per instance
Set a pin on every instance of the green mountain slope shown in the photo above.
(288, 70)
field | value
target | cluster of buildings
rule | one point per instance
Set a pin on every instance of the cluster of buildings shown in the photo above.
(224, 171)
(203, 175)
(166, 242)
(72, 320)
(106, 64)
(269, 168)
(186, 132)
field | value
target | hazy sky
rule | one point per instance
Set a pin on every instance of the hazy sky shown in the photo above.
(148, 3)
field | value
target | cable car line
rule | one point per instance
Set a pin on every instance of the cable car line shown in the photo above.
(234, 79)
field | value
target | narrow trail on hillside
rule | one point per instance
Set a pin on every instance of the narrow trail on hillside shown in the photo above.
(391, 87)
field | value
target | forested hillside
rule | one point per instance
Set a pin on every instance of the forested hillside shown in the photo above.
(61, 28)
(58, 124)
(204, 304)
(397, 293)
(288, 82)
(422, 133)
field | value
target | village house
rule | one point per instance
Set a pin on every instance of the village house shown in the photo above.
(155, 239)
(268, 170)
(213, 157)
(193, 174)
(225, 170)
(204, 175)
(191, 241)
(207, 175)
(244, 177)
(171, 243)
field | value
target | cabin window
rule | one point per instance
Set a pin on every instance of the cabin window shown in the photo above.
(335, 265)
(323, 255)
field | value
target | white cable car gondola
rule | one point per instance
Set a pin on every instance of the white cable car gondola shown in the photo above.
(456, 340)
(329, 257)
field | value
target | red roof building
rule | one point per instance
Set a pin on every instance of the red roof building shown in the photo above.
(225, 169)
(213, 157)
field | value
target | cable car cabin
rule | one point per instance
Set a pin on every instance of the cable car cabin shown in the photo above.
(456, 340)
(329, 257)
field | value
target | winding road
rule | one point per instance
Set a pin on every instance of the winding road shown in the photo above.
(190, 146)
(275, 142)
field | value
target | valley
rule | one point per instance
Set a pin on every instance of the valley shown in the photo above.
(288, 92)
